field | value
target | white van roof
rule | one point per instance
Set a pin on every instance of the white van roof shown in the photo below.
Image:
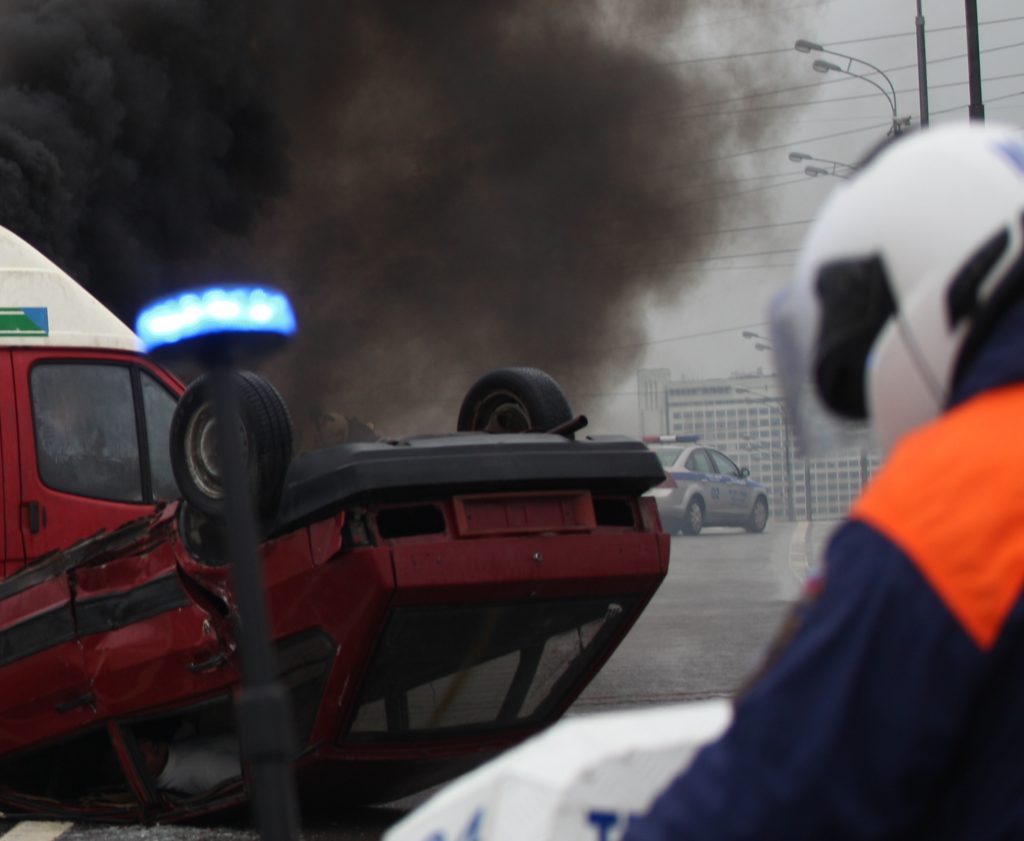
(41, 306)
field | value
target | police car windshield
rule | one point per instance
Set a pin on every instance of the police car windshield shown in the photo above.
(668, 455)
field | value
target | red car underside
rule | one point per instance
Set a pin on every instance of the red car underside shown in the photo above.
(416, 639)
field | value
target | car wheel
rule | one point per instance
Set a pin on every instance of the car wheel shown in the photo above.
(671, 523)
(693, 517)
(758, 515)
(265, 433)
(514, 400)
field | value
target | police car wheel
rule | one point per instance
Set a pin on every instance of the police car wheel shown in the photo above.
(514, 400)
(265, 432)
(693, 517)
(758, 515)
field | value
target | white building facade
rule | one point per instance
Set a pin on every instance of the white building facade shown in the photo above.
(744, 417)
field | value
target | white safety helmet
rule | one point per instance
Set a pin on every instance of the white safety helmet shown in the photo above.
(903, 275)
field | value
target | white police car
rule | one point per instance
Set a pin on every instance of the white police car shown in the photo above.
(704, 487)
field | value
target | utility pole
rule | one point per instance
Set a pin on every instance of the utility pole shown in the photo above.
(977, 107)
(922, 66)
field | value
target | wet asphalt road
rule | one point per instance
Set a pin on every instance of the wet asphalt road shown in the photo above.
(701, 635)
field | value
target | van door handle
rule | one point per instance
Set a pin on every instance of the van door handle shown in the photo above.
(36, 516)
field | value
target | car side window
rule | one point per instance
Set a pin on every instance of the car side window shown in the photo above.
(699, 462)
(723, 464)
(86, 435)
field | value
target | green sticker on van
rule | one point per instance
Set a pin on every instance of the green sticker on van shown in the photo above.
(24, 321)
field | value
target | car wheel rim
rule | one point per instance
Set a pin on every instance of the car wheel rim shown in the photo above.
(696, 516)
(201, 456)
(504, 414)
(760, 514)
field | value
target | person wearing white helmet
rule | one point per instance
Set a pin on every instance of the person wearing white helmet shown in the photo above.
(892, 710)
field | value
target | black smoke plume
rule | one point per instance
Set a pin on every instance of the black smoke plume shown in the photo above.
(133, 134)
(444, 186)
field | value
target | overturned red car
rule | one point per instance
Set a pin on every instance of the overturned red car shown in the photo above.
(432, 600)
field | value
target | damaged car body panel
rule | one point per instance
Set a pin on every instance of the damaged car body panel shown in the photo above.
(432, 600)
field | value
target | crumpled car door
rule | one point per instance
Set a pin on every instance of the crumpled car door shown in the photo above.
(47, 691)
(145, 639)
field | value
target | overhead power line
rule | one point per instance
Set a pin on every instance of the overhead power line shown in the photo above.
(911, 33)
(779, 50)
(757, 267)
(720, 181)
(789, 144)
(851, 98)
(819, 84)
(769, 253)
(751, 14)
(755, 227)
(795, 179)
(729, 57)
(701, 335)
(987, 99)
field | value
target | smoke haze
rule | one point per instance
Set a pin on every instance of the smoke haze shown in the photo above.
(443, 187)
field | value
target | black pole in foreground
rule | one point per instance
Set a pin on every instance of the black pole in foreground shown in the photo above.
(922, 66)
(263, 708)
(977, 107)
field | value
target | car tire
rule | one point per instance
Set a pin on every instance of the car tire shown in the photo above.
(265, 431)
(514, 400)
(758, 515)
(693, 517)
(671, 523)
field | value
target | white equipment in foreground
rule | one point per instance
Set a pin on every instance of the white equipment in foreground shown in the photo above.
(580, 780)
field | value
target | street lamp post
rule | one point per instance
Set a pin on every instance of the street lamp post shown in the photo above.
(823, 66)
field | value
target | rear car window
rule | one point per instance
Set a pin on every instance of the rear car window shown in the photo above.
(668, 456)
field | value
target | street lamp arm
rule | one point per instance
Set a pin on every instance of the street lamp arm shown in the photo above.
(885, 93)
(848, 72)
(805, 46)
(850, 59)
(798, 157)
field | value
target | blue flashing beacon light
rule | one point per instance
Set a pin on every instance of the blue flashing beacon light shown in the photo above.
(198, 313)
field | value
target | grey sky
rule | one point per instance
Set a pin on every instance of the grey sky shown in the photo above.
(828, 116)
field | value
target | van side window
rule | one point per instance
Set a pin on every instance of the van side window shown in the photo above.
(86, 435)
(159, 404)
